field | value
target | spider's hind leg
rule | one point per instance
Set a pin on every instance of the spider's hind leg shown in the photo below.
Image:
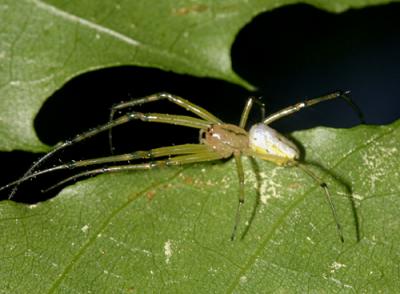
(202, 155)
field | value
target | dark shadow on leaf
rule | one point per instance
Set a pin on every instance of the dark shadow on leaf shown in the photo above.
(349, 192)
(337, 178)
(256, 170)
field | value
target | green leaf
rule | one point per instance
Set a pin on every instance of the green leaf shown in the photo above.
(168, 230)
(44, 44)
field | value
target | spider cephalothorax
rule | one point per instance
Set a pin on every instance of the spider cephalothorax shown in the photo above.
(225, 139)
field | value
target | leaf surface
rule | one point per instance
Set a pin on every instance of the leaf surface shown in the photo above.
(168, 230)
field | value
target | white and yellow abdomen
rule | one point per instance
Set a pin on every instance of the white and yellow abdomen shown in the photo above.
(265, 140)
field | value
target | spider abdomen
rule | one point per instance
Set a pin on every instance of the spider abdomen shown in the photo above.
(265, 140)
(225, 139)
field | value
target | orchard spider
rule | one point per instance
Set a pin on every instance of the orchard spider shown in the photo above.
(218, 140)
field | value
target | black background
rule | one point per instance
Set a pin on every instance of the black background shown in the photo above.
(290, 54)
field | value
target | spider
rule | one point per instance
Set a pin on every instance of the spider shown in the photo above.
(217, 140)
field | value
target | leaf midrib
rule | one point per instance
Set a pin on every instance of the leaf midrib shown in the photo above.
(102, 228)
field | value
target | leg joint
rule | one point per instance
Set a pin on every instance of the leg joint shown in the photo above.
(165, 95)
(137, 115)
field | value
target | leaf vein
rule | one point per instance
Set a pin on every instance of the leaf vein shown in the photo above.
(102, 227)
(84, 22)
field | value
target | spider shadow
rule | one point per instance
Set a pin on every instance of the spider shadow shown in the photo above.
(340, 180)
(256, 169)
(349, 192)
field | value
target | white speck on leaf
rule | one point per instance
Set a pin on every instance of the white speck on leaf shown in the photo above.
(85, 228)
(269, 186)
(313, 227)
(310, 240)
(336, 266)
(168, 250)
(15, 83)
(243, 279)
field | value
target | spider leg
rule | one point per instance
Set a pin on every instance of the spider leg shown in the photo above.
(301, 105)
(189, 106)
(172, 161)
(324, 186)
(247, 108)
(182, 120)
(278, 160)
(147, 154)
(239, 167)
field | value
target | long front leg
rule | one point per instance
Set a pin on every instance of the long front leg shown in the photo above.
(62, 145)
(146, 154)
(173, 161)
(182, 120)
(301, 105)
(189, 106)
